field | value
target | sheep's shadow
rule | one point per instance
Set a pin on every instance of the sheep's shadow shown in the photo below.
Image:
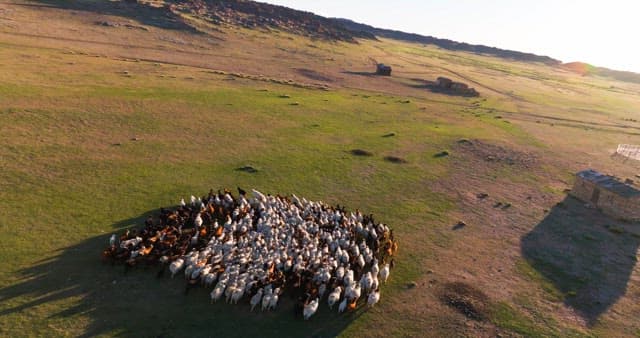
(588, 256)
(139, 303)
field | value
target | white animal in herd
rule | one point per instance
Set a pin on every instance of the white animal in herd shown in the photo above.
(176, 266)
(311, 308)
(217, 292)
(198, 221)
(334, 296)
(374, 297)
(342, 306)
(384, 273)
(266, 299)
(274, 299)
(255, 300)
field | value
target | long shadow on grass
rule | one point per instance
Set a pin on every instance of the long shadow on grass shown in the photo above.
(147, 15)
(586, 255)
(139, 304)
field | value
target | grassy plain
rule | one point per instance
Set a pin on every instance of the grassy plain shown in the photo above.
(100, 126)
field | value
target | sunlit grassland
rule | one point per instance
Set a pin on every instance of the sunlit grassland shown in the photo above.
(91, 144)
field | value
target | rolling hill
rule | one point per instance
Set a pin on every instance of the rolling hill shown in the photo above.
(110, 110)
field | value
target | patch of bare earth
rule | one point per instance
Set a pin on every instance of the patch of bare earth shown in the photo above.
(499, 199)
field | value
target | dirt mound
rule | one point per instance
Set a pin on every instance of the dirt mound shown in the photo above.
(496, 154)
(395, 159)
(466, 299)
(360, 152)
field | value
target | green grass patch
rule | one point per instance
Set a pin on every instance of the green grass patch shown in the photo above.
(527, 270)
(506, 317)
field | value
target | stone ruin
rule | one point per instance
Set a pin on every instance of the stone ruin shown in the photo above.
(607, 193)
(446, 85)
(382, 69)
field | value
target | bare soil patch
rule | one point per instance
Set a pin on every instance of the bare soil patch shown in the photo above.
(497, 154)
(466, 299)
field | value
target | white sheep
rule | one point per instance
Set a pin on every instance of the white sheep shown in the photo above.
(209, 279)
(176, 266)
(322, 289)
(255, 300)
(334, 296)
(310, 309)
(384, 273)
(218, 291)
(374, 297)
(274, 299)
(342, 306)
(266, 299)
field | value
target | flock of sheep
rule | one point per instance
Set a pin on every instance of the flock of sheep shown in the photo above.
(258, 247)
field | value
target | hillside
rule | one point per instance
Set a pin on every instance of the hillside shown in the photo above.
(250, 14)
(111, 110)
(590, 70)
(445, 43)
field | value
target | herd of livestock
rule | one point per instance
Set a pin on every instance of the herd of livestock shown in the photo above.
(257, 247)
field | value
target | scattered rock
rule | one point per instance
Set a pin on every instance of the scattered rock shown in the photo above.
(459, 225)
(482, 195)
(247, 169)
(117, 144)
(284, 96)
(497, 205)
(394, 159)
(412, 285)
(294, 103)
(135, 139)
(360, 152)
(389, 135)
(443, 153)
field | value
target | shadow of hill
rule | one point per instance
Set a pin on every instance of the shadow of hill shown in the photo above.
(144, 14)
(139, 304)
(588, 256)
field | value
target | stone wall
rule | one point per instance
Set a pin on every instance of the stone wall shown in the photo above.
(609, 202)
(582, 189)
